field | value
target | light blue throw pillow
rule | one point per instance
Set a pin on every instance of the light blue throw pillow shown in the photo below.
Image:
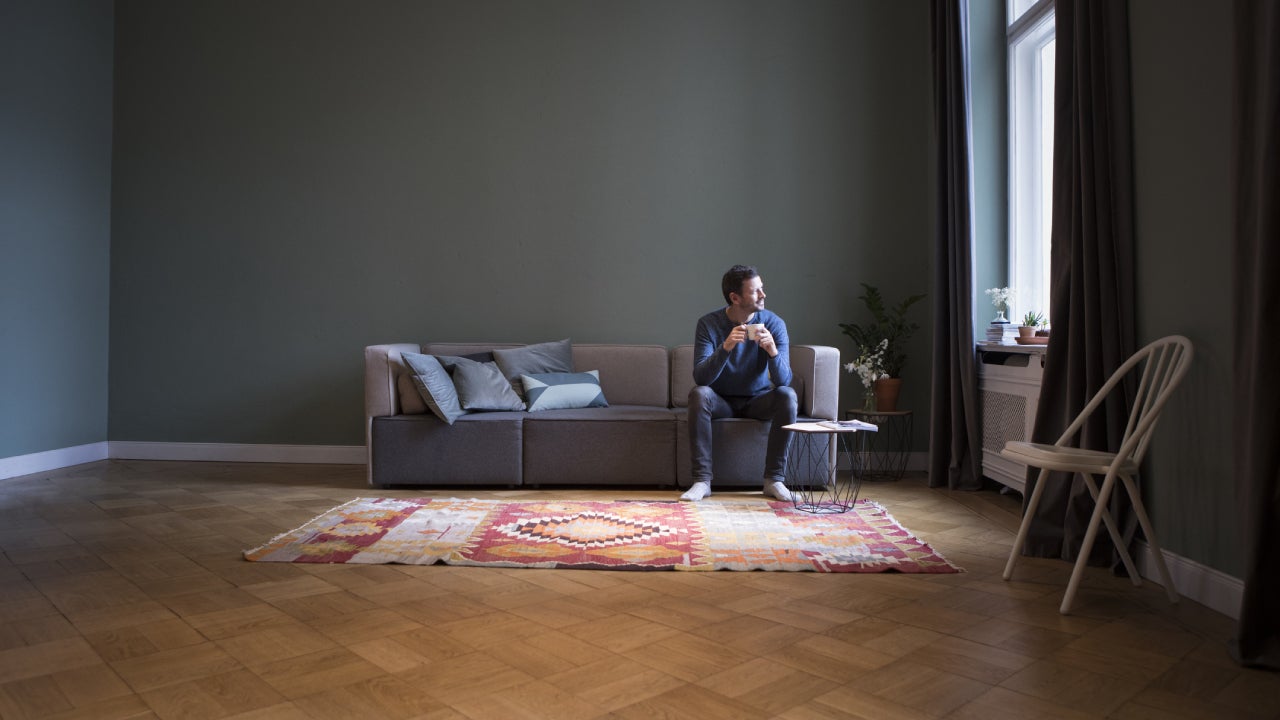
(480, 386)
(562, 391)
(435, 386)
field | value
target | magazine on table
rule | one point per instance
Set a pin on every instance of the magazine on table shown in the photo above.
(846, 424)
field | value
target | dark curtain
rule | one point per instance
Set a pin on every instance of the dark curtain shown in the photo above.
(1257, 331)
(1092, 261)
(955, 451)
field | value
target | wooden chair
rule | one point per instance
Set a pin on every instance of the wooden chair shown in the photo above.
(1162, 365)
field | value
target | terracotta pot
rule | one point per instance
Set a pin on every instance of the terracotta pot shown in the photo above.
(1026, 331)
(886, 391)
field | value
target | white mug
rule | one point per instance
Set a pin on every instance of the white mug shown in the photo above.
(753, 331)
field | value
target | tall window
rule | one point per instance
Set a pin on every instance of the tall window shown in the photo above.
(1031, 70)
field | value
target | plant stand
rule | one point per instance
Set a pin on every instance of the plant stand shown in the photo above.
(884, 453)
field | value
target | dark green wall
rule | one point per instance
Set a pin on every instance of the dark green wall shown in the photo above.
(1181, 52)
(55, 210)
(296, 180)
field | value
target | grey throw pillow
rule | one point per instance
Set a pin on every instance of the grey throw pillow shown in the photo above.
(434, 385)
(548, 357)
(480, 386)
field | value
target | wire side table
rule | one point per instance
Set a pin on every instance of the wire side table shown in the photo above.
(812, 463)
(884, 456)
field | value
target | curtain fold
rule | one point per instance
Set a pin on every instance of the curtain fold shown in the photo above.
(1092, 272)
(1256, 391)
(955, 449)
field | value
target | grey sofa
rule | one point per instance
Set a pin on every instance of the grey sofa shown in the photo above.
(642, 438)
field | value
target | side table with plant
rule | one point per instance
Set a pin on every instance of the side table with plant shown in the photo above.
(880, 348)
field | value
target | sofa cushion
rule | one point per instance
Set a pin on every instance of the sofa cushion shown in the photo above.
(629, 374)
(613, 413)
(480, 386)
(479, 449)
(617, 445)
(555, 391)
(411, 402)
(467, 350)
(435, 386)
(548, 357)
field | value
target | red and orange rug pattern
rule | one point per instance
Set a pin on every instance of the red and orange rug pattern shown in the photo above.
(595, 535)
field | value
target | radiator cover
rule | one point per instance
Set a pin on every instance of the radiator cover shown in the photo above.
(1009, 392)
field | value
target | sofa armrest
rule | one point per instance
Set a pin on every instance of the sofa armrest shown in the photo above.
(381, 366)
(816, 371)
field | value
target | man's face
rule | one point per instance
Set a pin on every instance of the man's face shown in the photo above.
(751, 297)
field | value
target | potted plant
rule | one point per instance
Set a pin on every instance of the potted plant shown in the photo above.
(880, 345)
(1030, 322)
(869, 367)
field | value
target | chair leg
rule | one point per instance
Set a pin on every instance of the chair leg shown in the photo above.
(833, 458)
(1025, 527)
(1147, 530)
(1116, 538)
(1082, 560)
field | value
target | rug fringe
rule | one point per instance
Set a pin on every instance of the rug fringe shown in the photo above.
(313, 521)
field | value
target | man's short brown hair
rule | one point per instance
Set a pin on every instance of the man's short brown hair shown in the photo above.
(733, 279)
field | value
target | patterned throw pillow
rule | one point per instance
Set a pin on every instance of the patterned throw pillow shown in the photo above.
(562, 391)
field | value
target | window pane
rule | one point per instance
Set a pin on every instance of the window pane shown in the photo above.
(1047, 56)
(1017, 7)
(1031, 65)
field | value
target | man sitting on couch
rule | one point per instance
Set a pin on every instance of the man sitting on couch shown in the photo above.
(742, 369)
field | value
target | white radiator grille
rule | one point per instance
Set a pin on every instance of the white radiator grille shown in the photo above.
(1004, 418)
(1009, 390)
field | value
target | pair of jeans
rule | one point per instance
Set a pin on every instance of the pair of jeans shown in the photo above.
(778, 406)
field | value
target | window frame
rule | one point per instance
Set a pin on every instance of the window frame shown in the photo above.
(1030, 168)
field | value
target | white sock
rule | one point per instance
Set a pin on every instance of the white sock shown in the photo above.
(777, 490)
(698, 491)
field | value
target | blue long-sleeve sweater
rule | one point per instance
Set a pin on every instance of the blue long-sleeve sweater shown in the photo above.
(748, 370)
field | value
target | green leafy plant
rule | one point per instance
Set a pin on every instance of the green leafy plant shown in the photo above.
(1032, 319)
(889, 328)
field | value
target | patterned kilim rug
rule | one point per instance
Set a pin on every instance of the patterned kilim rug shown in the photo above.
(606, 536)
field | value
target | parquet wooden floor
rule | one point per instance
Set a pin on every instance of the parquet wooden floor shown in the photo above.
(123, 595)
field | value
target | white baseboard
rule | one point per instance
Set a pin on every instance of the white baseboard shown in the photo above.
(218, 452)
(233, 452)
(52, 459)
(1214, 589)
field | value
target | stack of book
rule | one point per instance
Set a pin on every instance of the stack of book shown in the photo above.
(1002, 332)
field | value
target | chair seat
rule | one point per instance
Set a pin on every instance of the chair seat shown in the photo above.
(1070, 459)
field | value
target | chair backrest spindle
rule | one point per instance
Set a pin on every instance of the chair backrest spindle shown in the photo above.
(1163, 364)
